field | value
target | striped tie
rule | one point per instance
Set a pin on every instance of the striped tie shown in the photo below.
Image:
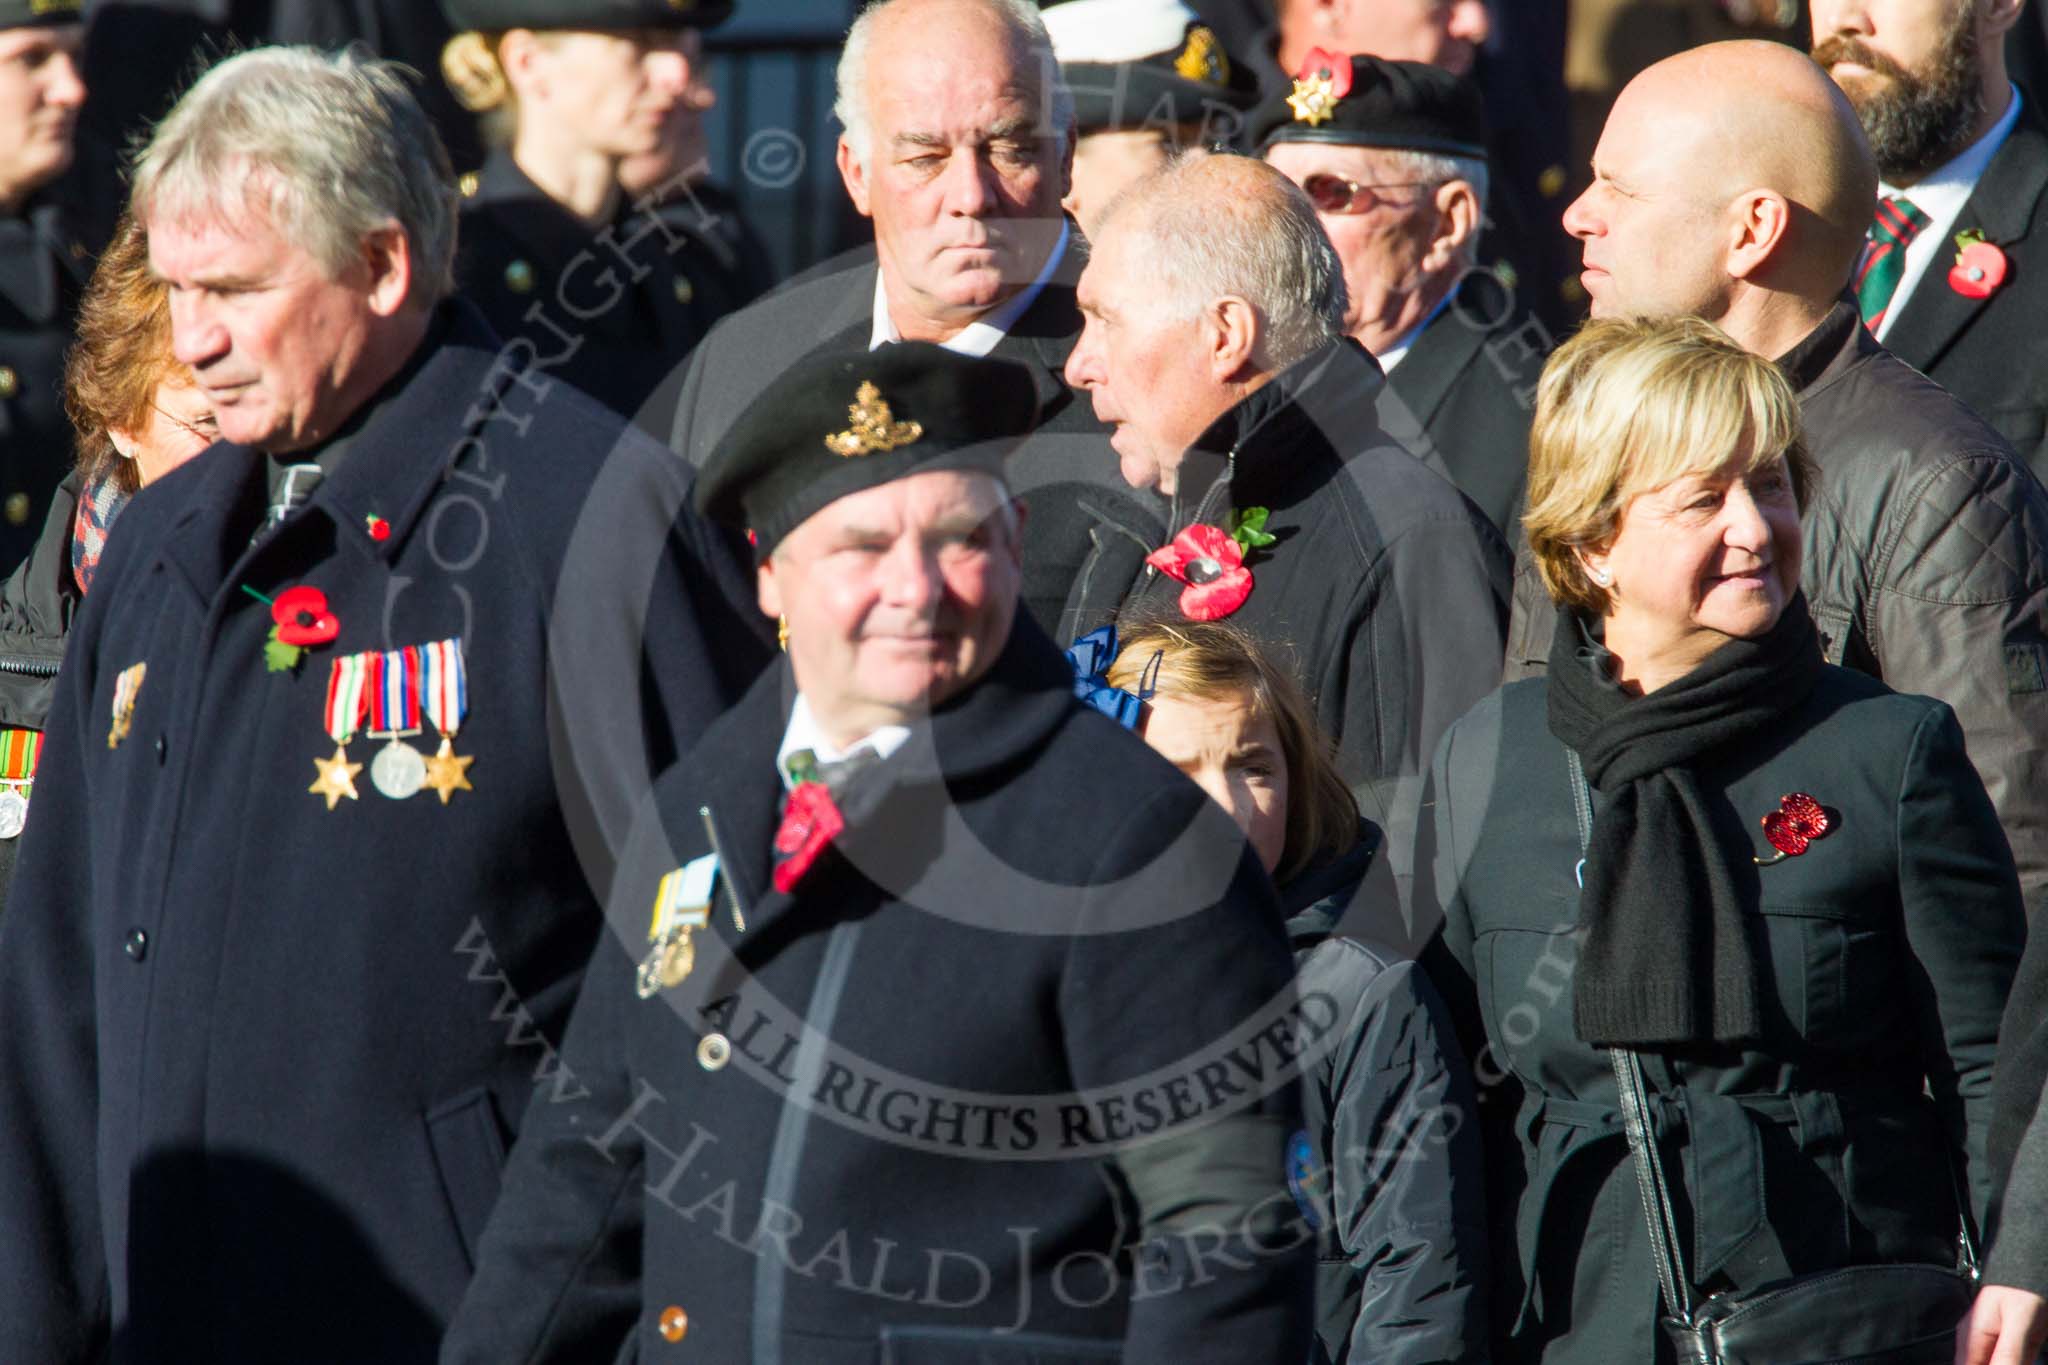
(1884, 260)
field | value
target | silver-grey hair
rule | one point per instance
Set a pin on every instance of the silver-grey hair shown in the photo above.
(331, 147)
(1266, 247)
(1055, 101)
(1435, 168)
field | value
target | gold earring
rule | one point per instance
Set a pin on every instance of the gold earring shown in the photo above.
(782, 633)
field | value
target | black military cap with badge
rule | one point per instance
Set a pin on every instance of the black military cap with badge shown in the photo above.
(493, 15)
(1368, 102)
(1148, 64)
(25, 13)
(839, 422)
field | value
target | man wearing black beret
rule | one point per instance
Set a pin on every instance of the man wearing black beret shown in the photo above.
(1148, 79)
(1393, 155)
(43, 260)
(917, 965)
(958, 146)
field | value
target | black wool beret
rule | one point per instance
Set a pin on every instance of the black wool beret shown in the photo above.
(25, 13)
(840, 422)
(1410, 106)
(491, 15)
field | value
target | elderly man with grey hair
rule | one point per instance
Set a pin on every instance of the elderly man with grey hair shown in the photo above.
(1215, 349)
(1393, 155)
(301, 906)
(958, 146)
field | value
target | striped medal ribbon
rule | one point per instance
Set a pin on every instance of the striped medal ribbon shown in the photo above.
(444, 694)
(398, 771)
(19, 750)
(348, 702)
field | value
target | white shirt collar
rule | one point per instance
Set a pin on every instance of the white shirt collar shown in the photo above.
(1391, 356)
(803, 733)
(1942, 196)
(980, 336)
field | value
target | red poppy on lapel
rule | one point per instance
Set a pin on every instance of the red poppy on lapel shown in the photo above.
(1211, 563)
(1793, 827)
(1980, 266)
(810, 822)
(302, 617)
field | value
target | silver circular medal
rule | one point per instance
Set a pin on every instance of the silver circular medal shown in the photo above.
(13, 814)
(398, 771)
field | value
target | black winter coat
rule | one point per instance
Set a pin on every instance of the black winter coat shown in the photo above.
(1387, 589)
(1400, 1198)
(44, 262)
(1889, 946)
(1926, 564)
(1027, 941)
(260, 1058)
(36, 605)
(1466, 392)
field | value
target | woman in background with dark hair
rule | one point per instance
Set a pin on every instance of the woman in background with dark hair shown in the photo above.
(1389, 1173)
(137, 415)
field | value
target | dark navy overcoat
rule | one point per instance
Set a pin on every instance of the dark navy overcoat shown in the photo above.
(260, 1059)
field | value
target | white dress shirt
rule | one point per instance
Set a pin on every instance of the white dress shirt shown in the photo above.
(1941, 196)
(803, 733)
(980, 336)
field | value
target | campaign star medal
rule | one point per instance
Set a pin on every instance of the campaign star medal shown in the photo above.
(397, 771)
(19, 750)
(348, 701)
(682, 905)
(872, 426)
(126, 687)
(445, 695)
(1324, 79)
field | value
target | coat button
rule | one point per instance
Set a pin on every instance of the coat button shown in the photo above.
(136, 945)
(162, 747)
(713, 1051)
(675, 1324)
(16, 509)
(10, 382)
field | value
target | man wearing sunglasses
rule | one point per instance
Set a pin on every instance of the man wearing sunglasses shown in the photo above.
(1393, 155)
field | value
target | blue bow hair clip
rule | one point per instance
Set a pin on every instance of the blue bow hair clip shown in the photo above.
(1091, 657)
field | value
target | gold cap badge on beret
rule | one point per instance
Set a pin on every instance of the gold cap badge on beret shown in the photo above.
(1203, 59)
(1325, 79)
(873, 428)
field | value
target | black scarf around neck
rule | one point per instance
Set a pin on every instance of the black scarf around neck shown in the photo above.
(1666, 955)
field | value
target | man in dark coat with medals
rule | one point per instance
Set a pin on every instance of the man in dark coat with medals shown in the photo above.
(308, 891)
(983, 1048)
(43, 261)
(1216, 348)
(1393, 155)
(958, 145)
